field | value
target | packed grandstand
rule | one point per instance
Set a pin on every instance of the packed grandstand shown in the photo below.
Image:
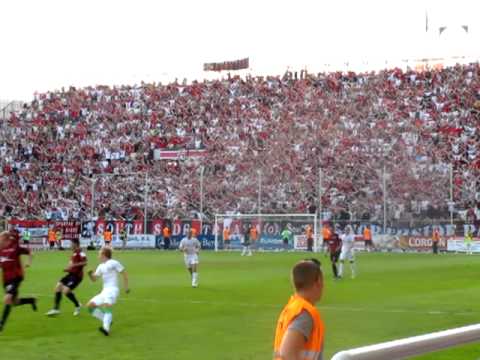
(414, 131)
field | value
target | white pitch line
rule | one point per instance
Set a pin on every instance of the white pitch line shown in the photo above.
(128, 298)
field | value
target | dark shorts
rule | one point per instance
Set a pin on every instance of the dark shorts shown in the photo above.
(285, 241)
(11, 287)
(71, 281)
(335, 256)
(368, 242)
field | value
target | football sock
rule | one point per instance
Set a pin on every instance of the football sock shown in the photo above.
(6, 312)
(334, 268)
(352, 266)
(107, 318)
(58, 297)
(73, 299)
(340, 269)
(25, 301)
(96, 313)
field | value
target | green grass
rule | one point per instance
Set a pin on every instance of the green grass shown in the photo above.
(232, 315)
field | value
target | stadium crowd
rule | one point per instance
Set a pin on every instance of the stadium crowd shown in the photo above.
(410, 130)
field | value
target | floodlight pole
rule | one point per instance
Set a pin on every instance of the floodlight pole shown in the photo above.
(451, 194)
(320, 210)
(145, 205)
(201, 198)
(92, 191)
(384, 201)
(259, 192)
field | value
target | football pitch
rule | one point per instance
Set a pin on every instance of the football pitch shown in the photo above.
(232, 314)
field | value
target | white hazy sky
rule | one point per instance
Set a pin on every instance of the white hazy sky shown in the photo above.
(47, 44)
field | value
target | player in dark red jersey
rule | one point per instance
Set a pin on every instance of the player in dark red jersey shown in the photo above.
(334, 244)
(10, 252)
(69, 282)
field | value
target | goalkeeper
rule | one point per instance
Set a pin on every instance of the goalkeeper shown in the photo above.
(286, 237)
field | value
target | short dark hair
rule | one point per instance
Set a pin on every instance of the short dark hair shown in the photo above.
(107, 252)
(305, 273)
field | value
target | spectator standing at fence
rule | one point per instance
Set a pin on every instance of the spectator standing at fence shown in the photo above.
(367, 238)
(286, 237)
(58, 238)
(226, 238)
(468, 240)
(435, 240)
(194, 232)
(166, 237)
(300, 330)
(124, 237)
(246, 242)
(107, 237)
(26, 237)
(254, 235)
(326, 234)
(309, 236)
(52, 237)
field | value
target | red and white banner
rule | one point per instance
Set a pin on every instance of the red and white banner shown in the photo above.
(227, 65)
(159, 154)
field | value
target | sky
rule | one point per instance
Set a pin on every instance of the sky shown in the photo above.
(49, 44)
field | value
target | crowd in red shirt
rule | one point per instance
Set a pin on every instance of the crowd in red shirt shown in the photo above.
(352, 126)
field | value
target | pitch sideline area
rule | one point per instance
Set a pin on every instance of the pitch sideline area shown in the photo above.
(232, 314)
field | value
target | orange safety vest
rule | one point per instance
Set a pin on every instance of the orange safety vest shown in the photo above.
(326, 233)
(253, 233)
(436, 236)
(52, 236)
(166, 232)
(226, 234)
(194, 232)
(309, 232)
(314, 346)
(367, 234)
(107, 236)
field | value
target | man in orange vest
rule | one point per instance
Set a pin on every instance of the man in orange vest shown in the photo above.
(326, 235)
(226, 238)
(52, 238)
(166, 237)
(435, 240)
(300, 330)
(107, 237)
(309, 235)
(367, 238)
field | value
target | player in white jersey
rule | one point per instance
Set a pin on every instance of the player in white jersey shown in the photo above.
(190, 246)
(100, 306)
(347, 253)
